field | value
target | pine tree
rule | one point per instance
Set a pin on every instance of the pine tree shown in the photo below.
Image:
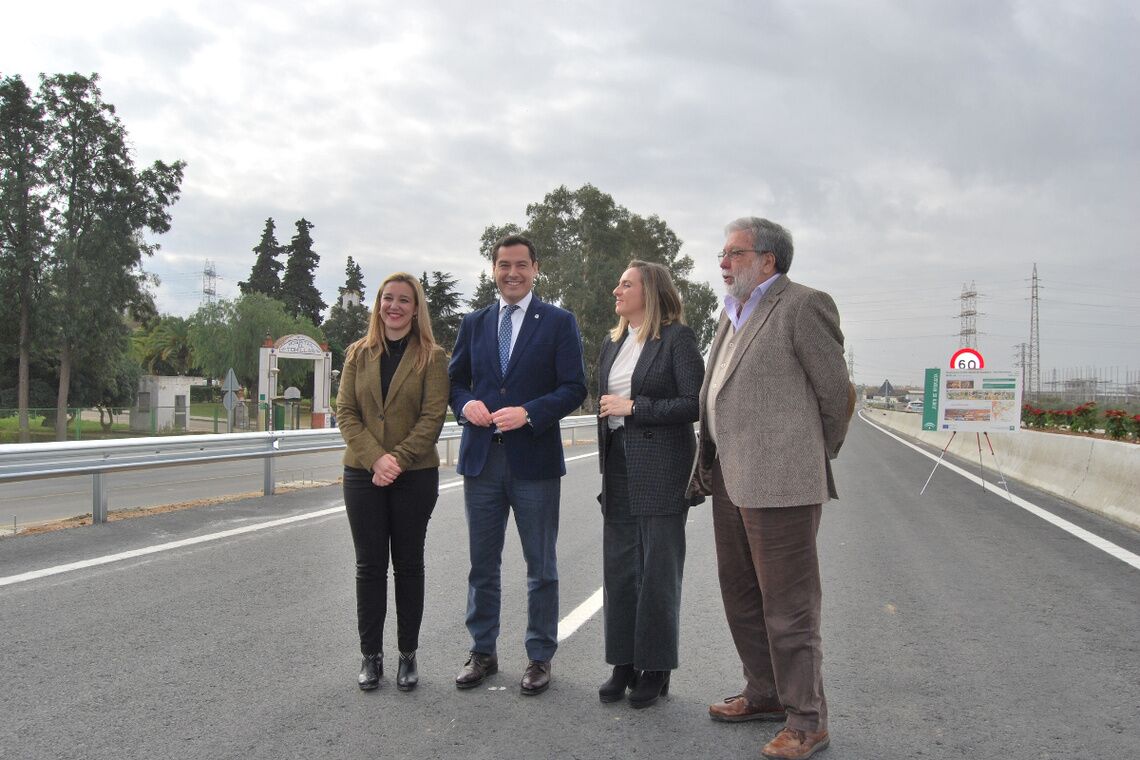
(348, 317)
(265, 277)
(485, 292)
(298, 293)
(443, 304)
(354, 279)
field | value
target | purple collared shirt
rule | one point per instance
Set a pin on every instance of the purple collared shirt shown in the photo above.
(731, 303)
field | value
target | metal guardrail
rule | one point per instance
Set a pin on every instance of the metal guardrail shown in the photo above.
(35, 461)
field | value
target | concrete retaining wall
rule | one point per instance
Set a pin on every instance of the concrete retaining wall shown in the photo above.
(1100, 475)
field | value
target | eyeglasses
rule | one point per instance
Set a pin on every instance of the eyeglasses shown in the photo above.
(734, 255)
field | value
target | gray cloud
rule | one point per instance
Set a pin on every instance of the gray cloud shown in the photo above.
(910, 147)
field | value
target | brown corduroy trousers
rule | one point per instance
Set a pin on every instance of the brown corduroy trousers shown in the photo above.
(769, 581)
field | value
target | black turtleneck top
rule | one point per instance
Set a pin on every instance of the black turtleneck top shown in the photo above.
(389, 361)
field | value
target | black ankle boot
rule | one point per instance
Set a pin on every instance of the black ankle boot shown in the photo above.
(371, 669)
(651, 684)
(623, 677)
(406, 674)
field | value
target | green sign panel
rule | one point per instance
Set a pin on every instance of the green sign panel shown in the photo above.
(931, 388)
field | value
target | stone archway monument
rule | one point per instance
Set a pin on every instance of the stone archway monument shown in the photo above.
(296, 347)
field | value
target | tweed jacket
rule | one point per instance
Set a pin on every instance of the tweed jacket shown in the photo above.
(406, 423)
(782, 409)
(659, 439)
(545, 376)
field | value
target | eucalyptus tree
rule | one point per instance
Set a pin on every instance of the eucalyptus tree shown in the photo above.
(23, 228)
(101, 207)
(585, 240)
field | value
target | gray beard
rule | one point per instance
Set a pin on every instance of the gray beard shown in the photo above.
(742, 284)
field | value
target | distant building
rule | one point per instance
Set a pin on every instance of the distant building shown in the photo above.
(163, 403)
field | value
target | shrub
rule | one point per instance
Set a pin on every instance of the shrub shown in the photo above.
(1084, 418)
(1116, 423)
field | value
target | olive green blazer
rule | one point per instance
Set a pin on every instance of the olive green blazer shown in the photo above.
(406, 424)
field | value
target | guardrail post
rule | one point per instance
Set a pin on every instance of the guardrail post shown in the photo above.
(99, 498)
(268, 484)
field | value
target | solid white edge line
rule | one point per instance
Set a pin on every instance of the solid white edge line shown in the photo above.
(566, 627)
(1119, 552)
(146, 550)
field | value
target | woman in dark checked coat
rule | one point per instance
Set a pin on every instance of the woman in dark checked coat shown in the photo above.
(649, 379)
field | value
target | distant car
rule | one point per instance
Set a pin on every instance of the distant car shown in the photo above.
(914, 406)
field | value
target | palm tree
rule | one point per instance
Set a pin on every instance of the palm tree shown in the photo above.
(165, 348)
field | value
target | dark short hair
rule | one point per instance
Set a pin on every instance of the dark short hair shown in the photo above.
(509, 240)
(766, 236)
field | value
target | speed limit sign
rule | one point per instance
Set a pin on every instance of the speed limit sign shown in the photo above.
(967, 358)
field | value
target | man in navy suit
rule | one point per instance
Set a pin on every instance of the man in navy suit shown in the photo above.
(516, 371)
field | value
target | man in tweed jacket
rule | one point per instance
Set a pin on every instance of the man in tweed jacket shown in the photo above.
(774, 410)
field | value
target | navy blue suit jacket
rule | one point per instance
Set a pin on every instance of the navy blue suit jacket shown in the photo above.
(546, 376)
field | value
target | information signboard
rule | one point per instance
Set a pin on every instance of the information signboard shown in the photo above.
(973, 401)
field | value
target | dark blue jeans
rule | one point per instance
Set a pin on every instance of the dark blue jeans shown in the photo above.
(393, 517)
(489, 498)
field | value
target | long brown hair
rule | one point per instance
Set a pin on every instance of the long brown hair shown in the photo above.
(373, 340)
(662, 302)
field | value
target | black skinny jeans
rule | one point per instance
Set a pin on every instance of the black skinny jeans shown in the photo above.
(391, 517)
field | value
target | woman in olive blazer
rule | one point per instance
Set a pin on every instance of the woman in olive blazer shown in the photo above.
(390, 408)
(649, 379)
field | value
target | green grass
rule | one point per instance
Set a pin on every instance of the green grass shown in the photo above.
(88, 429)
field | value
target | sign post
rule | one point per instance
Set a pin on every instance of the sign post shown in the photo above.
(229, 398)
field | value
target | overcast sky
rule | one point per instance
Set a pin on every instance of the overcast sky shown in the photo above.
(911, 147)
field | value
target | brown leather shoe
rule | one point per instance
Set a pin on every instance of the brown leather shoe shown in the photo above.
(793, 744)
(536, 679)
(477, 667)
(738, 708)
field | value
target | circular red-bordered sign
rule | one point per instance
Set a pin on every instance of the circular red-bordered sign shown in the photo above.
(967, 358)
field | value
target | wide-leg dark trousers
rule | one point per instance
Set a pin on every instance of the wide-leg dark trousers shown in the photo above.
(391, 520)
(769, 580)
(643, 560)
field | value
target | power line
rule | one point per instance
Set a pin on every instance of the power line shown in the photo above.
(968, 335)
(1034, 379)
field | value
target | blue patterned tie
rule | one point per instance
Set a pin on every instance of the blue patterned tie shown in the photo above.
(505, 336)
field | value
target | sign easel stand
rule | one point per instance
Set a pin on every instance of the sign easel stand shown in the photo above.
(997, 466)
(981, 464)
(924, 485)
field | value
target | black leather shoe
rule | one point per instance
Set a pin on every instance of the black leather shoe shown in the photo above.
(536, 679)
(407, 676)
(624, 676)
(651, 684)
(477, 667)
(371, 670)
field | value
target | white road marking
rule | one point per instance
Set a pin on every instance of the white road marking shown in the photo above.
(566, 627)
(583, 612)
(155, 549)
(1119, 552)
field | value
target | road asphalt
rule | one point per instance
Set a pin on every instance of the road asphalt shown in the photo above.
(956, 625)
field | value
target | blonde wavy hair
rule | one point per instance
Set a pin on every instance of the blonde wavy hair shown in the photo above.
(373, 340)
